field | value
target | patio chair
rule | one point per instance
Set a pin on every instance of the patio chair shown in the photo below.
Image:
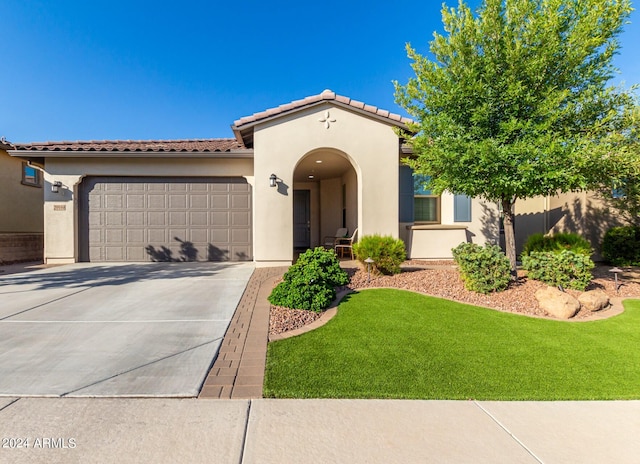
(346, 243)
(330, 241)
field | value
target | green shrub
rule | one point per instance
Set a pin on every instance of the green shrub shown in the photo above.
(557, 243)
(386, 252)
(621, 246)
(568, 269)
(483, 269)
(310, 283)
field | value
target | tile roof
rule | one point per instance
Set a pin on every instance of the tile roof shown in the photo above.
(327, 95)
(155, 146)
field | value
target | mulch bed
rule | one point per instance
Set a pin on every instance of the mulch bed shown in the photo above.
(442, 279)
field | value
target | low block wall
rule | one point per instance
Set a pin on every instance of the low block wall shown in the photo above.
(21, 247)
(434, 242)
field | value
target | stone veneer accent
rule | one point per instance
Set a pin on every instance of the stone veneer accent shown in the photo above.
(21, 247)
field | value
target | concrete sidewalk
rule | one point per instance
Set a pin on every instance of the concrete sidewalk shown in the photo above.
(80, 430)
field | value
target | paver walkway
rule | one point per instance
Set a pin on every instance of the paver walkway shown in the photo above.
(238, 371)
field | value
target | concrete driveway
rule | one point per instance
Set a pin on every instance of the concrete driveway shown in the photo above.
(143, 329)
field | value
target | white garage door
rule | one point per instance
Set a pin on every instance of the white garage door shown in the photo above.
(165, 219)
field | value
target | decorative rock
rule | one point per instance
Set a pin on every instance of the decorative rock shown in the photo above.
(594, 300)
(556, 303)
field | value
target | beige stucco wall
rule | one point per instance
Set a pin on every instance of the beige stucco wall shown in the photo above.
(530, 218)
(372, 149)
(583, 213)
(21, 205)
(60, 210)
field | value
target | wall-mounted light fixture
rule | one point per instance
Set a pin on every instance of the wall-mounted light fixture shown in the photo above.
(55, 187)
(273, 179)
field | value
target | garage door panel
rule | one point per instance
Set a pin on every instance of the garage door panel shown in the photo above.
(114, 254)
(198, 218)
(135, 235)
(220, 201)
(135, 200)
(199, 200)
(178, 218)
(240, 236)
(240, 219)
(96, 253)
(177, 201)
(141, 219)
(114, 236)
(113, 201)
(156, 236)
(220, 236)
(157, 218)
(96, 235)
(135, 218)
(220, 219)
(136, 253)
(240, 201)
(114, 218)
(156, 201)
(199, 236)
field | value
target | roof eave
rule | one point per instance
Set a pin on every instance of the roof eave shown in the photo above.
(27, 154)
(239, 129)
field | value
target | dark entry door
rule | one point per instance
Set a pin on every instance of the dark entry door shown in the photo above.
(301, 218)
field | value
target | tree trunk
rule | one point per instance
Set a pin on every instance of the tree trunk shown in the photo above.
(509, 235)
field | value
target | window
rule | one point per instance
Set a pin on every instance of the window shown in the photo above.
(461, 208)
(426, 205)
(31, 176)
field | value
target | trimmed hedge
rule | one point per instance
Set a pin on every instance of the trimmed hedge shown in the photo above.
(310, 283)
(483, 269)
(568, 269)
(621, 246)
(386, 252)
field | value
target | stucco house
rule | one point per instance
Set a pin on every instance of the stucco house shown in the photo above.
(21, 209)
(290, 176)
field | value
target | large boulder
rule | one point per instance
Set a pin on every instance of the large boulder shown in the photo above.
(557, 303)
(594, 300)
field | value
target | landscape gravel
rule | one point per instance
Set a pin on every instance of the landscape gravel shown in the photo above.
(442, 279)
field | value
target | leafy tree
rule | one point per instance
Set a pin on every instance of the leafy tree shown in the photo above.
(622, 193)
(516, 102)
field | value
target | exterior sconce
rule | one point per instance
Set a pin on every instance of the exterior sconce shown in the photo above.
(272, 180)
(55, 187)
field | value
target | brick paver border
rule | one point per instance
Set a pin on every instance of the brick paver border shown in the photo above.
(238, 370)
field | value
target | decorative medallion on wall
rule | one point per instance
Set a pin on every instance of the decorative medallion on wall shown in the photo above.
(327, 120)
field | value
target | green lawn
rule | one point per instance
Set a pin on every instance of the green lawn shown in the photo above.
(388, 343)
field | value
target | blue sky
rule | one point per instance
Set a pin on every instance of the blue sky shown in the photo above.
(94, 70)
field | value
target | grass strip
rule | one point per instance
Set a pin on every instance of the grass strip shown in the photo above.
(388, 343)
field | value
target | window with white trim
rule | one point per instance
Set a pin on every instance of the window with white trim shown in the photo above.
(426, 205)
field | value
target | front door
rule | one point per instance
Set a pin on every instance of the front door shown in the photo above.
(301, 219)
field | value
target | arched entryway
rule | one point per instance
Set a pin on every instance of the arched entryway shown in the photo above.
(325, 197)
